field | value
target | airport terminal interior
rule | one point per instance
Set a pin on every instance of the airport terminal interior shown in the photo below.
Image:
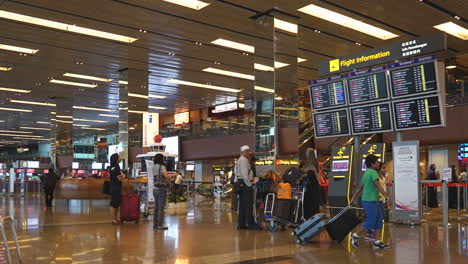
(233, 131)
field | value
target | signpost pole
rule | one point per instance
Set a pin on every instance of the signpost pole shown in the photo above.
(445, 204)
(357, 160)
(399, 136)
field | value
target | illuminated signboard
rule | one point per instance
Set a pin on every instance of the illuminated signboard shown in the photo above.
(422, 112)
(226, 107)
(181, 118)
(264, 162)
(287, 162)
(371, 118)
(96, 166)
(331, 124)
(327, 93)
(367, 86)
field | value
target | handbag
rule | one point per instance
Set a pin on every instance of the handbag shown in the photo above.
(106, 187)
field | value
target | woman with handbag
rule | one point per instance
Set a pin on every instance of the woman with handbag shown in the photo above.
(161, 184)
(116, 177)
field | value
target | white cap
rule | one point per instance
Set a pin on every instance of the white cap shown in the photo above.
(244, 148)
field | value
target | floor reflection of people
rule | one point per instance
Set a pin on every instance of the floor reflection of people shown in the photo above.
(432, 191)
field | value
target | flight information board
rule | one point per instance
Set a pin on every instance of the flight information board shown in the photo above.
(364, 87)
(332, 123)
(371, 118)
(413, 79)
(327, 93)
(419, 112)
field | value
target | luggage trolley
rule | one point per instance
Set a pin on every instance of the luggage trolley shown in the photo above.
(5, 255)
(274, 221)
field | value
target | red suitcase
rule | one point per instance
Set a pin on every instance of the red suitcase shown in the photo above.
(130, 208)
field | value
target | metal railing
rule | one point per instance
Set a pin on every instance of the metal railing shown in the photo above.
(8, 220)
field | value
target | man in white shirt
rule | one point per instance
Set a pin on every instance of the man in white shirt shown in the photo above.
(178, 183)
(244, 179)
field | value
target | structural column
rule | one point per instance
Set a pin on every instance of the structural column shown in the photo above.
(64, 133)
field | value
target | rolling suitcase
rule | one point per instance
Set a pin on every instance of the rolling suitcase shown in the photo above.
(130, 208)
(342, 224)
(310, 228)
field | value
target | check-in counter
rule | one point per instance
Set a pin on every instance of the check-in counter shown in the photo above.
(82, 189)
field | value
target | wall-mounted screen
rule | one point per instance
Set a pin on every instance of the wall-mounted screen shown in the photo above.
(181, 118)
(364, 87)
(375, 118)
(412, 79)
(96, 166)
(331, 123)
(190, 167)
(226, 107)
(422, 112)
(33, 164)
(75, 165)
(327, 93)
(172, 144)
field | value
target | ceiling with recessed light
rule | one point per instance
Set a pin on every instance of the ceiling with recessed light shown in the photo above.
(74, 49)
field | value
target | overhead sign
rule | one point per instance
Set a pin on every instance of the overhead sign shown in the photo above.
(422, 112)
(327, 93)
(367, 85)
(181, 118)
(150, 128)
(331, 124)
(226, 107)
(406, 180)
(368, 119)
(393, 52)
(377, 149)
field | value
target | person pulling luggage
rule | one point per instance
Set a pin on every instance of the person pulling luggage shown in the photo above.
(370, 188)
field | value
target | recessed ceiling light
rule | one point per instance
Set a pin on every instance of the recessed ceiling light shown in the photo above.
(207, 86)
(87, 77)
(157, 107)
(14, 131)
(278, 98)
(14, 90)
(42, 122)
(92, 108)
(65, 27)
(347, 21)
(92, 128)
(449, 67)
(87, 85)
(234, 45)
(263, 89)
(299, 60)
(31, 103)
(262, 67)
(454, 30)
(80, 125)
(156, 96)
(123, 82)
(286, 26)
(194, 4)
(5, 69)
(30, 136)
(280, 64)
(107, 115)
(230, 73)
(90, 120)
(65, 121)
(138, 95)
(15, 109)
(136, 112)
(35, 128)
(17, 49)
(63, 116)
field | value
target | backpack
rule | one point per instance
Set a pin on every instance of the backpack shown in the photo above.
(160, 180)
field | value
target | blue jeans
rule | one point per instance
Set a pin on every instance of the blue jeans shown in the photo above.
(160, 195)
(374, 216)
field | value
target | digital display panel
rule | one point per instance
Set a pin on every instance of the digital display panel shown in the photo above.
(96, 166)
(340, 165)
(371, 118)
(417, 113)
(326, 95)
(181, 118)
(413, 79)
(75, 165)
(190, 167)
(367, 88)
(332, 123)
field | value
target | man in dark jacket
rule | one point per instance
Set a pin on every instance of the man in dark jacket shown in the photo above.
(49, 180)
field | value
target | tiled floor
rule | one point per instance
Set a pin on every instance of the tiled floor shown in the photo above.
(204, 232)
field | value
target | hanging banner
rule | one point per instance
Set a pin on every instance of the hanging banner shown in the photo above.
(390, 53)
(406, 180)
(150, 128)
(149, 171)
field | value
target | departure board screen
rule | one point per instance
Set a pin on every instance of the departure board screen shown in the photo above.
(371, 118)
(326, 95)
(417, 113)
(367, 88)
(414, 79)
(333, 123)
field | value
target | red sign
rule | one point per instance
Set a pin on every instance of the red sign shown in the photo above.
(80, 171)
(73, 171)
(30, 170)
(19, 170)
(46, 171)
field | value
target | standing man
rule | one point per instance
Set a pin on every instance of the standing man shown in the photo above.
(371, 188)
(50, 181)
(244, 179)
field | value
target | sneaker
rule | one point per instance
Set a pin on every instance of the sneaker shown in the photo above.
(355, 240)
(370, 236)
(380, 245)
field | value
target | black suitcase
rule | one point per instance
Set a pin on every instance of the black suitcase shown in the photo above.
(342, 224)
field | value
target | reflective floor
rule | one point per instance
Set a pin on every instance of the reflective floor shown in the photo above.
(203, 231)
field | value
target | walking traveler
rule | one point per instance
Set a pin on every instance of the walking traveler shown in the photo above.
(244, 178)
(370, 188)
(116, 177)
(161, 184)
(50, 181)
(312, 192)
